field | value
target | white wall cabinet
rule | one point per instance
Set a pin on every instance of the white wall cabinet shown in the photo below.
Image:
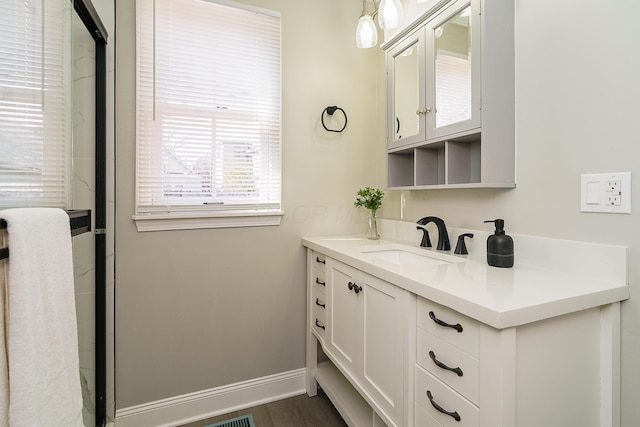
(451, 98)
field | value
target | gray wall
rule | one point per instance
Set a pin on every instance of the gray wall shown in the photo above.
(577, 95)
(206, 308)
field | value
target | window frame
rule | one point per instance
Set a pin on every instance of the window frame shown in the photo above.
(156, 216)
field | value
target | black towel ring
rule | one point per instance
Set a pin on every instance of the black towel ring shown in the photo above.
(330, 110)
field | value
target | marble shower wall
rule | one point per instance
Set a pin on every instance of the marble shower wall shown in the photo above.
(83, 193)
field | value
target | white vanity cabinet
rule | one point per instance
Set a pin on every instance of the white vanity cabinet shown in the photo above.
(391, 356)
(365, 338)
(451, 98)
(367, 334)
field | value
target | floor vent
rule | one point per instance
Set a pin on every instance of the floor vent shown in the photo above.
(243, 421)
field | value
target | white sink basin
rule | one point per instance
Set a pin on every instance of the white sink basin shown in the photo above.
(407, 256)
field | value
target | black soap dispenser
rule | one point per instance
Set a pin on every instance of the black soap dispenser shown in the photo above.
(499, 247)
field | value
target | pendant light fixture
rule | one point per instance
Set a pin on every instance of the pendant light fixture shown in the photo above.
(389, 17)
(366, 33)
(389, 14)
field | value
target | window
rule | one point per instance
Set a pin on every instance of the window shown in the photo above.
(35, 124)
(208, 115)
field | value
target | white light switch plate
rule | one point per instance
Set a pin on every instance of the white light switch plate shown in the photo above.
(606, 192)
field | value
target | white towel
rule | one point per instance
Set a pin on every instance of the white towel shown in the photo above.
(40, 321)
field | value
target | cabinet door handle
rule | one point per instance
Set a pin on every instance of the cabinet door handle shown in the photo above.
(457, 326)
(439, 408)
(324, 305)
(439, 364)
(319, 325)
(353, 287)
(321, 261)
(319, 282)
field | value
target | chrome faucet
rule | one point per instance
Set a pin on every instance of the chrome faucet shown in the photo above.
(443, 236)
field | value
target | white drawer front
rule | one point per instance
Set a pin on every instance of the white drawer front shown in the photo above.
(319, 260)
(318, 279)
(319, 301)
(423, 419)
(431, 347)
(319, 320)
(463, 413)
(463, 334)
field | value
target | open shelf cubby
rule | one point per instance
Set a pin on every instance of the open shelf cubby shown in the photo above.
(401, 168)
(464, 159)
(454, 163)
(430, 164)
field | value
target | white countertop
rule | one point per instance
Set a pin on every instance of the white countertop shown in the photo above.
(499, 297)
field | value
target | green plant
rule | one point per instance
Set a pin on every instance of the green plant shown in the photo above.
(370, 198)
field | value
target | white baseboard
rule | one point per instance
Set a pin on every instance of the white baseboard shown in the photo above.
(213, 402)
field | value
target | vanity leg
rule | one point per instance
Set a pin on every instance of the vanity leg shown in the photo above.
(610, 365)
(312, 363)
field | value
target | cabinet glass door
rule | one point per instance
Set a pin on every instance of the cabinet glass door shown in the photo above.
(453, 78)
(406, 122)
(407, 93)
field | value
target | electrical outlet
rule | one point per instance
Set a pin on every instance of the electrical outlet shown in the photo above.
(606, 192)
(613, 186)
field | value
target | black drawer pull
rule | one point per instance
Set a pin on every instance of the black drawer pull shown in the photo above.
(321, 261)
(324, 305)
(457, 326)
(439, 364)
(319, 282)
(350, 285)
(439, 408)
(319, 325)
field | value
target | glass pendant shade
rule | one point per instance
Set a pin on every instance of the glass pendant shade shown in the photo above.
(366, 32)
(389, 14)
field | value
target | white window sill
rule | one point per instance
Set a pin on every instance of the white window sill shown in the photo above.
(199, 220)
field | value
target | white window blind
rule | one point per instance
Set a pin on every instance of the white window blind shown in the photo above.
(35, 49)
(208, 109)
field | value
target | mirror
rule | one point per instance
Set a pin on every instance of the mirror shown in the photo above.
(453, 69)
(406, 92)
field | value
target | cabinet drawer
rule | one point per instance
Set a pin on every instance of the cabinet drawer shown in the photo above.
(431, 347)
(318, 300)
(319, 280)
(444, 397)
(434, 317)
(319, 260)
(319, 320)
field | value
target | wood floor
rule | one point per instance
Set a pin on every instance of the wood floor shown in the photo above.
(298, 411)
